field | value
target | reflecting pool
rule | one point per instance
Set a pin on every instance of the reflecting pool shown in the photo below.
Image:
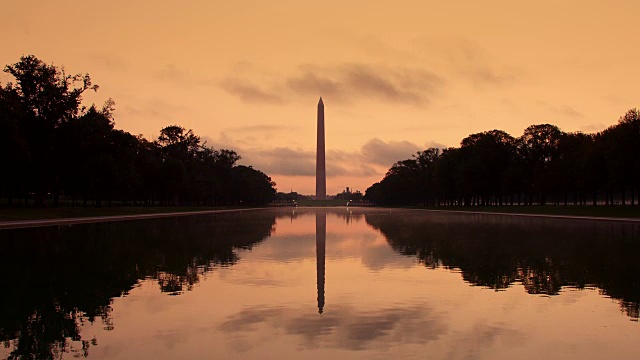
(322, 283)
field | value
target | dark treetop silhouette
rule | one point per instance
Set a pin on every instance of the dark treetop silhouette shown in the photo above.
(53, 148)
(543, 166)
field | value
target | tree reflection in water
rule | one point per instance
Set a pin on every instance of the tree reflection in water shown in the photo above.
(543, 254)
(56, 278)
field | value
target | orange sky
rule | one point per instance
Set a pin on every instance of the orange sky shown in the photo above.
(395, 76)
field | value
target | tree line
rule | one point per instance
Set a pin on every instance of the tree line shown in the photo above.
(55, 151)
(543, 166)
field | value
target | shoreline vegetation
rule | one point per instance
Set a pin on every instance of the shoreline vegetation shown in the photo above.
(543, 166)
(56, 152)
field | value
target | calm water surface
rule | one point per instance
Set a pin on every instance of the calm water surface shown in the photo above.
(318, 283)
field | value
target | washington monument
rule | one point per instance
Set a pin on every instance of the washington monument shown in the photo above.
(321, 174)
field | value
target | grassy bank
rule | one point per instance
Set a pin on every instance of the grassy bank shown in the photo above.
(16, 214)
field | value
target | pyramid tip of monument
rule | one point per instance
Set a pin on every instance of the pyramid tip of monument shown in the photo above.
(320, 102)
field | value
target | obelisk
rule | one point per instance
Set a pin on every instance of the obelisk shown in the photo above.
(321, 174)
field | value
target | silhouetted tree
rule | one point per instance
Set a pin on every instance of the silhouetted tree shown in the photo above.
(544, 165)
(15, 154)
(488, 157)
(622, 146)
(538, 149)
(252, 186)
(48, 97)
(88, 166)
(50, 144)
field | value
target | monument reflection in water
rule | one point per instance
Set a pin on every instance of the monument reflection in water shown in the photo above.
(251, 285)
(321, 239)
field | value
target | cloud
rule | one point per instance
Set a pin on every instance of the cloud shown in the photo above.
(109, 61)
(460, 59)
(223, 141)
(311, 83)
(344, 83)
(383, 153)
(485, 75)
(283, 161)
(259, 128)
(467, 60)
(298, 162)
(433, 144)
(351, 82)
(412, 86)
(474, 63)
(153, 107)
(593, 128)
(340, 163)
(181, 76)
(561, 110)
(567, 110)
(249, 92)
(172, 73)
(372, 159)
(364, 163)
